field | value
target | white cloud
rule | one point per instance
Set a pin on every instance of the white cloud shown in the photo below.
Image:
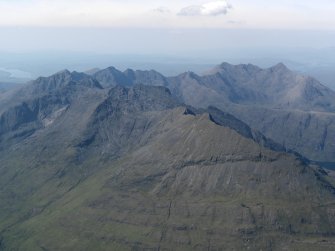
(208, 9)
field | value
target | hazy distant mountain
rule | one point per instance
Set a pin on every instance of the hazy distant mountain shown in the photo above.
(294, 110)
(134, 169)
(275, 87)
(112, 77)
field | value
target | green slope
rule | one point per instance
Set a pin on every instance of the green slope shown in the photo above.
(194, 186)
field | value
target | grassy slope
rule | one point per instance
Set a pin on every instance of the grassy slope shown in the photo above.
(175, 193)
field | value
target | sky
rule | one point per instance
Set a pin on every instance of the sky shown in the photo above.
(174, 26)
(53, 34)
(255, 14)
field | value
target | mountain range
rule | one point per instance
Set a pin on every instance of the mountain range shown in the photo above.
(134, 160)
(294, 110)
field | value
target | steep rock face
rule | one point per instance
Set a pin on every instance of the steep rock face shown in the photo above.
(119, 121)
(310, 133)
(22, 120)
(226, 119)
(38, 104)
(63, 81)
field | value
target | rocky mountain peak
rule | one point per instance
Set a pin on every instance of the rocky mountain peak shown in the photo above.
(112, 69)
(227, 66)
(64, 72)
(189, 75)
(111, 77)
(63, 79)
(129, 73)
(231, 70)
(280, 67)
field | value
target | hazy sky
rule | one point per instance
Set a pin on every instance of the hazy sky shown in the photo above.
(153, 26)
(256, 14)
(204, 29)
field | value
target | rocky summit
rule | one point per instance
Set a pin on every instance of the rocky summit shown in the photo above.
(126, 162)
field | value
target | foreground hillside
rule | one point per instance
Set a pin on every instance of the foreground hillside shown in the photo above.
(88, 168)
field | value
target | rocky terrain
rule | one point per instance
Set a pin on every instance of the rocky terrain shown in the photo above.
(131, 167)
(294, 110)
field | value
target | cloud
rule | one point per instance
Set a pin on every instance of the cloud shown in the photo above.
(162, 10)
(214, 8)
